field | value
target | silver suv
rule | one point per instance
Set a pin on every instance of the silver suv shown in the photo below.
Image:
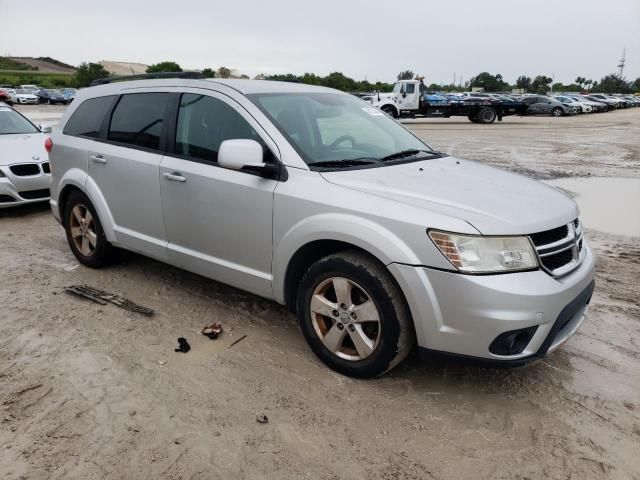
(315, 199)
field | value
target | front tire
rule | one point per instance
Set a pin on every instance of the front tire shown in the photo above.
(390, 111)
(556, 112)
(354, 316)
(85, 235)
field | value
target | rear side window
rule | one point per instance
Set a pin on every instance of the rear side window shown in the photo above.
(88, 117)
(137, 119)
(204, 123)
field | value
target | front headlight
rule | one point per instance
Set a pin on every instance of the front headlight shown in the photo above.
(478, 254)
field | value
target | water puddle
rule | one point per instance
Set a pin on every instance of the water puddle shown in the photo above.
(607, 204)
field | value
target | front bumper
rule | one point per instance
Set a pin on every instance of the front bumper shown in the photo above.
(463, 314)
(21, 190)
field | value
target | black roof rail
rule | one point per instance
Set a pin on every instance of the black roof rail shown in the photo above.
(147, 76)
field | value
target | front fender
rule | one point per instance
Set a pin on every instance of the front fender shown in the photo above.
(360, 232)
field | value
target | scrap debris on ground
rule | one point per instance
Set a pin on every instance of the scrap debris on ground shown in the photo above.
(212, 331)
(102, 297)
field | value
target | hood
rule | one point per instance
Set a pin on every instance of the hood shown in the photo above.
(22, 148)
(494, 201)
(28, 95)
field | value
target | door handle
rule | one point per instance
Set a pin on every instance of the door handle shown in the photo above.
(174, 177)
(98, 159)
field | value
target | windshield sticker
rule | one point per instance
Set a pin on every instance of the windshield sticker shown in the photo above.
(374, 112)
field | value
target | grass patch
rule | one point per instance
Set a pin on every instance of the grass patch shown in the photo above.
(44, 79)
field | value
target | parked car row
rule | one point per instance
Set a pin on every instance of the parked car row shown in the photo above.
(33, 94)
(560, 104)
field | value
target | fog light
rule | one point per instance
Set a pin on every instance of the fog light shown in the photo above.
(512, 342)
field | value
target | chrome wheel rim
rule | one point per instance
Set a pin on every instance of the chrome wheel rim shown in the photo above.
(345, 318)
(557, 112)
(83, 230)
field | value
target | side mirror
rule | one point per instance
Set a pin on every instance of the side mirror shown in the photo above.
(246, 155)
(45, 129)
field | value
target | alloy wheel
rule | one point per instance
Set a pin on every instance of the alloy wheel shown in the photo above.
(345, 318)
(83, 230)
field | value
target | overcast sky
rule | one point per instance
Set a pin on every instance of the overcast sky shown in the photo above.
(372, 39)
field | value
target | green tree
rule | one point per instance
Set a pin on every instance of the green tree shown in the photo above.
(614, 84)
(580, 81)
(87, 73)
(406, 75)
(164, 67)
(490, 83)
(635, 86)
(223, 72)
(523, 82)
(208, 73)
(540, 84)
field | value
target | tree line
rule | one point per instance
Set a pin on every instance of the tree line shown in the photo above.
(612, 83)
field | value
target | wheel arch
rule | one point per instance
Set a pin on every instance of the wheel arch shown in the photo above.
(314, 238)
(390, 106)
(78, 180)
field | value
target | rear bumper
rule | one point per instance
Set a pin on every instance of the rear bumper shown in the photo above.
(464, 314)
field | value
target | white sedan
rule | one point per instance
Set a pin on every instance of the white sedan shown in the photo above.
(582, 106)
(24, 162)
(26, 96)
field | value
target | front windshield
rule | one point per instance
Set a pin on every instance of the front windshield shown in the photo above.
(12, 123)
(329, 127)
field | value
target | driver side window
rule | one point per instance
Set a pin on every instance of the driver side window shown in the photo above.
(204, 123)
(410, 88)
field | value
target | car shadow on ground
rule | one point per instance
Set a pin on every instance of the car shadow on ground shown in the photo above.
(24, 210)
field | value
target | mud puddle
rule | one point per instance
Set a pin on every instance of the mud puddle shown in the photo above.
(606, 204)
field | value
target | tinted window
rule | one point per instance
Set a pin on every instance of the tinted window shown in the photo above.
(204, 123)
(88, 117)
(137, 119)
(411, 87)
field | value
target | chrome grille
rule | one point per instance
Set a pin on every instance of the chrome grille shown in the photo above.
(559, 250)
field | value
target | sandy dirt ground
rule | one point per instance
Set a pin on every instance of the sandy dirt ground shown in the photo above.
(92, 392)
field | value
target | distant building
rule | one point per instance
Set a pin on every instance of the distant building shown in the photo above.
(124, 68)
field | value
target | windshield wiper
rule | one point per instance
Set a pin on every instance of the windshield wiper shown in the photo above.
(354, 162)
(407, 153)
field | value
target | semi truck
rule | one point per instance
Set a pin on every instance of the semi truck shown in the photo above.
(411, 99)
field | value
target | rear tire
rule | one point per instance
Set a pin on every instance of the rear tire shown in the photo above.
(85, 235)
(487, 115)
(362, 327)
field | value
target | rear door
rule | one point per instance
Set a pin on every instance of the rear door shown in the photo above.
(218, 221)
(125, 168)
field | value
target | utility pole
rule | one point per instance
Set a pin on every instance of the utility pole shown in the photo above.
(621, 63)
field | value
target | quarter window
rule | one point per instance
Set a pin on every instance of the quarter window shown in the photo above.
(137, 119)
(204, 123)
(88, 117)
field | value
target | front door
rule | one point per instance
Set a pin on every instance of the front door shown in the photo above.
(218, 221)
(408, 99)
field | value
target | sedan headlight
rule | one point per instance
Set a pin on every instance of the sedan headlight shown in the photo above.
(478, 254)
